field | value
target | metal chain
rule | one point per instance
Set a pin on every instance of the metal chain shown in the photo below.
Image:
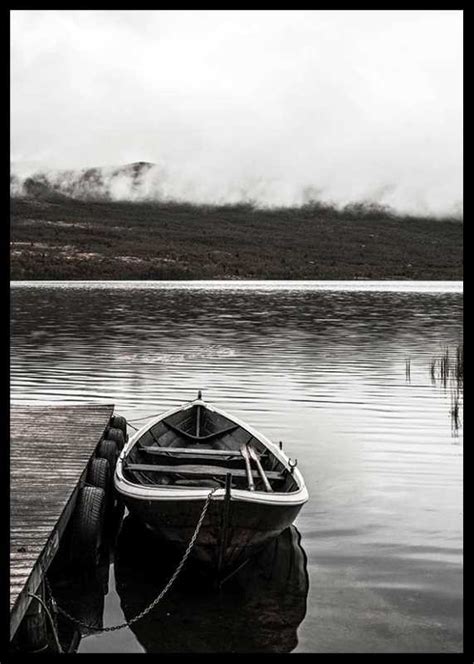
(52, 621)
(151, 606)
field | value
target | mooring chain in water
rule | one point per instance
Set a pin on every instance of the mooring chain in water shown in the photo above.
(157, 599)
(52, 621)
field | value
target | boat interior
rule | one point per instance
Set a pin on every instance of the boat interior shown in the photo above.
(197, 447)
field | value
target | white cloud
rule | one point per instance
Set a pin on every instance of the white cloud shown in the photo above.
(355, 104)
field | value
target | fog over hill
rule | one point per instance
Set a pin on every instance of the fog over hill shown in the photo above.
(274, 107)
(144, 181)
(137, 181)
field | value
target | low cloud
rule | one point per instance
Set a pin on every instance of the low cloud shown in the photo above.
(272, 107)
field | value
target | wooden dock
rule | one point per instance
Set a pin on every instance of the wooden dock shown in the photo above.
(50, 447)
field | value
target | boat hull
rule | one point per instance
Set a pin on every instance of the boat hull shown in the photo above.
(218, 545)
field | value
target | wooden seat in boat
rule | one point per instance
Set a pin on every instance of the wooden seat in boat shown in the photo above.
(192, 451)
(204, 470)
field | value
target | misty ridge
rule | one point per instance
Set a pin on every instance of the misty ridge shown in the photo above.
(146, 182)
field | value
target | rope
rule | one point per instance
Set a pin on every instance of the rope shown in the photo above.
(53, 626)
(157, 599)
(140, 419)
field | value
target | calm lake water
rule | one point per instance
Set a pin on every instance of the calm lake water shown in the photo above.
(320, 366)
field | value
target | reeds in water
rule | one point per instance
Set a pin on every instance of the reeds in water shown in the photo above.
(448, 367)
(448, 370)
(455, 408)
(460, 363)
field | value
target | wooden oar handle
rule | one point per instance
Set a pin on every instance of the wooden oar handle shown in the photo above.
(254, 456)
(245, 453)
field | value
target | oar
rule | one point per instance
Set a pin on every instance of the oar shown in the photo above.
(253, 455)
(245, 453)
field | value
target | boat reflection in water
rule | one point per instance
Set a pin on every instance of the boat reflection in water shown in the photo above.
(258, 609)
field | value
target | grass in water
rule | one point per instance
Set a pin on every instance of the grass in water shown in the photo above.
(408, 370)
(455, 406)
(448, 371)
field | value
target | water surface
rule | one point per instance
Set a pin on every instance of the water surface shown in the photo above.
(320, 366)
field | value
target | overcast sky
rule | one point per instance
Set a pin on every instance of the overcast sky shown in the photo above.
(346, 105)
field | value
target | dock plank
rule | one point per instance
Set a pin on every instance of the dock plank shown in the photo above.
(50, 447)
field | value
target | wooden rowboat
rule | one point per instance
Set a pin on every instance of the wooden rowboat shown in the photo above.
(168, 468)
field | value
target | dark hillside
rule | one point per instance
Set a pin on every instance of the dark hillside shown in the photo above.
(57, 237)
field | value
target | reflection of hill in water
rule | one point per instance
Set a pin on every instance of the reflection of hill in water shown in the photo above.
(138, 326)
(258, 610)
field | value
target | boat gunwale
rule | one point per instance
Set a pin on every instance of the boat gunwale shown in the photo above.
(163, 492)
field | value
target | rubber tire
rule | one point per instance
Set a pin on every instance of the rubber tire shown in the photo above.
(87, 525)
(119, 422)
(117, 435)
(98, 473)
(107, 449)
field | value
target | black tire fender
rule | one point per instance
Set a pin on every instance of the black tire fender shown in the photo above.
(107, 449)
(119, 422)
(117, 436)
(87, 524)
(98, 473)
